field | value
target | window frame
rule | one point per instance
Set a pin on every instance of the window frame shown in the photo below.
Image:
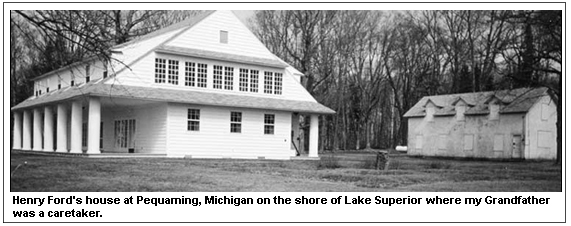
(224, 36)
(269, 124)
(172, 71)
(193, 123)
(160, 70)
(235, 122)
(217, 77)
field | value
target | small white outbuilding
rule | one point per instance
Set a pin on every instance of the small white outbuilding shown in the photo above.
(509, 124)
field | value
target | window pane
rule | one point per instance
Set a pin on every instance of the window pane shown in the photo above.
(201, 75)
(160, 70)
(217, 77)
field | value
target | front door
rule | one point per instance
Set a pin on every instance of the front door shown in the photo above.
(125, 135)
(517, 151)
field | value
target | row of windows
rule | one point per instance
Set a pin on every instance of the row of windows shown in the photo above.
(72, 81)
(195, 75)
(235, 121)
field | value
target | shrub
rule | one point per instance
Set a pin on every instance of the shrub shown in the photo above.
(328, 162)
(439, 165)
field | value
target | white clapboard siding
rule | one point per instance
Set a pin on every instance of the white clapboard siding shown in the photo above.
(206, 35)
(150, 131)
(214, 139)
(77, 72)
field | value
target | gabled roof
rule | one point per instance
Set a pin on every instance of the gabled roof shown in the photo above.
(97, 88)
(187, 23)
(514, 101)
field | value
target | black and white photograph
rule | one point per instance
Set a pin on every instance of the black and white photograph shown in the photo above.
(316, 100)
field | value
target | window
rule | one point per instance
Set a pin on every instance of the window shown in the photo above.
(254, 81)
(217, 77)
(418, 144)
(269, 121)
(224, 37)
(201, 75)
(87, 78)
(228, 78)
(498, 142)
(59, 83)
(544, 111)
(72, 83)
(193, 120)
(160, 70)
(268, 82)
(442, 142)
(189, 73)
(278, 77)
(468, 142)
(243, 80)
(235, 122)
(173, 72)
(47, 89)
(104, 72)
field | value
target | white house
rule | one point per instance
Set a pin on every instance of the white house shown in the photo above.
(202, 88)
(518, 124)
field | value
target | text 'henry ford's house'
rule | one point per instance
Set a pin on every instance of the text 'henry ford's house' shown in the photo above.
(519, 124)
(205, 87)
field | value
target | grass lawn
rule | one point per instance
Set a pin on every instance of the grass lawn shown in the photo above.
(337, 172)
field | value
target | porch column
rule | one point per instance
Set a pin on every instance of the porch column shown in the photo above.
(17, 143)
(48, 129)
(94, 125)
(76, 124)
(61, 145)
(37, 144)
(27, 131)
(313, 135)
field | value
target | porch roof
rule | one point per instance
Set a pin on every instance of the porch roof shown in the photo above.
(175, 96)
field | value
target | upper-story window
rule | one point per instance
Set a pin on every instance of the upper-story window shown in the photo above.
(58, 82)
(201, 74)
(228, 78)
(248, 80)
(278, 80)
(160, 70)
(254, 74)
(268, 82)
(224, 37)
(173, 72)
(217, 79)
(244, 79)
(189, 74)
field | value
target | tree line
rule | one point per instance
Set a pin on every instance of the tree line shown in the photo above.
(372, 66)
(368, 66)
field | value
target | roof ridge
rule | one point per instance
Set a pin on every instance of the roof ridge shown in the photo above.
(191, 21)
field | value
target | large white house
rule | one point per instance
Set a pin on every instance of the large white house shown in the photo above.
(507, 124)
(202, 88)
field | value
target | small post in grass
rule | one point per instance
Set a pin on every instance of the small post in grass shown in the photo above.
(382, 160)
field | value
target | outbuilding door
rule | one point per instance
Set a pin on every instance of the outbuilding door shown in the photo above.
(517, 150)
(125, 135)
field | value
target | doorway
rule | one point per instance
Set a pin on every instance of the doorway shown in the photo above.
(517, 150)
(125, 135)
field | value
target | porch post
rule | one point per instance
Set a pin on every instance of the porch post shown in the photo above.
(76, 124)
(48, 129)
(17, 133)
(37, 144)
(94, 125)
(27, 133)
(313, 135)
(61, 145)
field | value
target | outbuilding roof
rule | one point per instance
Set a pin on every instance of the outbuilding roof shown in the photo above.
(96, 88)
(513, 101)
